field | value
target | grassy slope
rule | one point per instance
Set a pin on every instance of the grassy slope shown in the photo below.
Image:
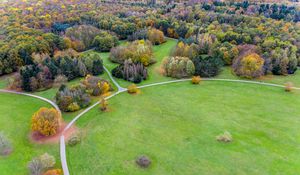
(178, 132)
(15, 117)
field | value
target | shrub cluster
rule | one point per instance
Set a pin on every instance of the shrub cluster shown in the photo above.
(40, 164)
(207, 66)
(185, 50)
(46, 121)
(155, 36)
(130, 71)
(82, 36)
(249, 66)
(225, 51)
(72, 99)
(178, 67)
(78, 97)
(96, 86)
(139, 35)
(137, 51)
(104, 41)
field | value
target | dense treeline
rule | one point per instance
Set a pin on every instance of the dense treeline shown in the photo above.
(274, 11)
(34, 29)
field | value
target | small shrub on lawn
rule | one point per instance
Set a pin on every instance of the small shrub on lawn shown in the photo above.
(5, 146)
(53, 172)
(143, 161)
(225, 137)
(47, 160)
(288, 87)
(46, 121)
(196, 79)
(132, 89)
(35, 166)
(103, 104)
(74, 139)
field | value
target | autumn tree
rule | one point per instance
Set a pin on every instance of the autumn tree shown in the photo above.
(46, 121)
(103, 104)
(249, 66)
(156, 36)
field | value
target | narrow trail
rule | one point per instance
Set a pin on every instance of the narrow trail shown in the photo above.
(31, 95)
(218, 79)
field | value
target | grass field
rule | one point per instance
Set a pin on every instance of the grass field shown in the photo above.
(15, 119)
(176, 125)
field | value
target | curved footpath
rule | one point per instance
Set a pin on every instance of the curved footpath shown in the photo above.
(34, 96)
(120, 90)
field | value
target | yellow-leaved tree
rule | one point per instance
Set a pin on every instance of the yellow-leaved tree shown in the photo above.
(46, 121)
(249, 66)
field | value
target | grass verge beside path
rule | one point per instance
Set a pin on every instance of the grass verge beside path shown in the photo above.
(15, 119)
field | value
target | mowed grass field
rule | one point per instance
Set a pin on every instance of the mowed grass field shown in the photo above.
(15, 119)
(176, 125)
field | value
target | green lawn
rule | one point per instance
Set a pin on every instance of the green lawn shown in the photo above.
(15, 119)
(176, 125)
